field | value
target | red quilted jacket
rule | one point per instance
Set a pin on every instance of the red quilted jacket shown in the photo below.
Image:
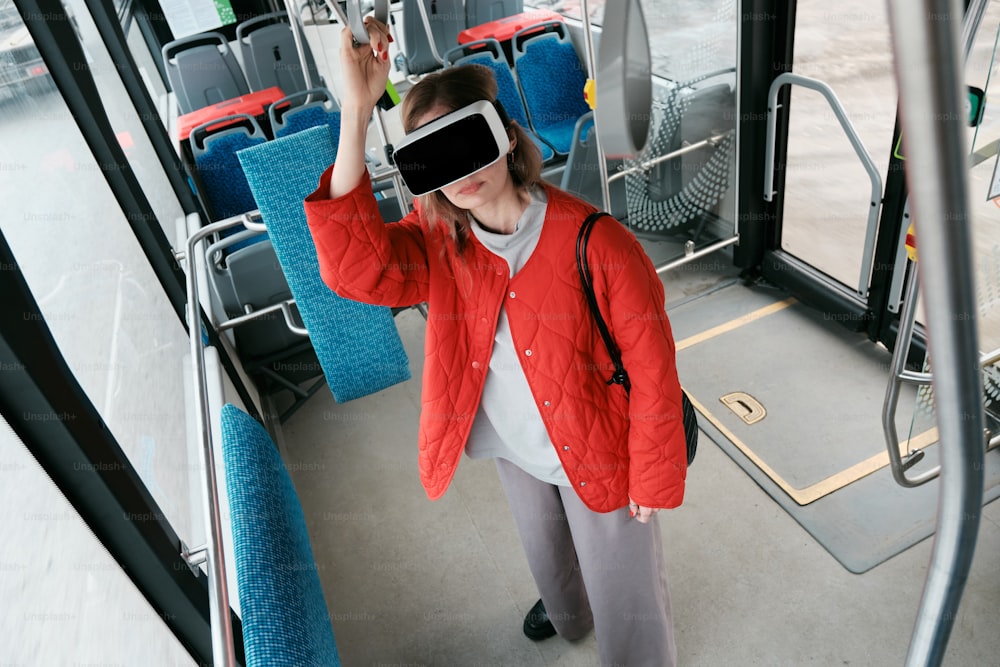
(611, 445)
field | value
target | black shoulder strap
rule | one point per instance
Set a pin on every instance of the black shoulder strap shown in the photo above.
(620, 376)
(688, 414)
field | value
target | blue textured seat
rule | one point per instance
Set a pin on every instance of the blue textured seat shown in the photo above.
(202, 71)
(488, 52)
(284, 613)
(357, 344)
(552, 78)
(303, 110)
(214, 145)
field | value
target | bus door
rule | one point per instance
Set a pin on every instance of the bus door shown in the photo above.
(830, 181)
(823, 202)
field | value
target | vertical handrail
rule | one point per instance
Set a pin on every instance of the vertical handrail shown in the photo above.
(897, 375)
(970, 26)
(588, 47)
(298, 36)
(927, 52)
(223, 653)
(426, 21)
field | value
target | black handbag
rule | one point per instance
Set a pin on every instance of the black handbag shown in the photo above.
(620, 375)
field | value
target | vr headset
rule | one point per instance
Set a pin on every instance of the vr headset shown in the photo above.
(451, 147)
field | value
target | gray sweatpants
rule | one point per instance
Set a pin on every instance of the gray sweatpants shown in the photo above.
(593, 570)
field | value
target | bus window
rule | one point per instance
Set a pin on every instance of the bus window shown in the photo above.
(68, 600)
(21, 66)
(124, 119)
(96, 290)
(686, 39)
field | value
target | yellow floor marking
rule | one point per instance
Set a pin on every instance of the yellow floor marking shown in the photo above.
(735, 323)
(826, 486)
(823, 487)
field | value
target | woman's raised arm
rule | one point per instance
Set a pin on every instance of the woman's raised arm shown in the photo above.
(365, 69)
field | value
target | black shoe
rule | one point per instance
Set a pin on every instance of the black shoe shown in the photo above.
(537, 625)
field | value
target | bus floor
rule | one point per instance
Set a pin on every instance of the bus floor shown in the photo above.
(414, 582)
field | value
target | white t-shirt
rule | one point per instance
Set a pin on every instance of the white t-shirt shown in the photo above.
(508, 424)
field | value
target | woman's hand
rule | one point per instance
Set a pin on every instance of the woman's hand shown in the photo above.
(641, 514)
(365, 67)
(365, 71)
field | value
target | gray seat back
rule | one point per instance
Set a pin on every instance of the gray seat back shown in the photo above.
(202, 71)
(251, 277)
(478, 12)
(269, 54)
(582, 176)
(447, 19)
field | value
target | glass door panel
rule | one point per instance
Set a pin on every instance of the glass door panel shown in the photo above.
(825, 218)
(681, 189)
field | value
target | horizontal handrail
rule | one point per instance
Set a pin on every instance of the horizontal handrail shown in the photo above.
(284, 306)
(689, 256)
(649, 164)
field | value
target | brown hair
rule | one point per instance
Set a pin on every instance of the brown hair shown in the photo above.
(454, 88)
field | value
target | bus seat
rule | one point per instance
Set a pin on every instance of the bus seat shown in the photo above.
(214, 145)
(357, 344)
(684, 193)
(250, 279)
(478, 12)
(552, 79)
(269, 54)
(447, 19)
(202, 71)
(247, 279)
(582, 176)
(488, 52)
(303, 110)
(285, 617)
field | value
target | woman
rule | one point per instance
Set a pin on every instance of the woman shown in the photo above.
(515, 369)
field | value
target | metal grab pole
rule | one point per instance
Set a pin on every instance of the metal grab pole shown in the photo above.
(588, 45)
(299, 37)
(928, 61)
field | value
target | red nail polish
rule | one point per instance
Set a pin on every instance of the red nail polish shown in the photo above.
(385, 55)
(390, 39)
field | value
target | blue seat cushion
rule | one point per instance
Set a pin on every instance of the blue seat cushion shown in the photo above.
(284, 612)
(219, 169)
(357, 344)
(552, 80)
(297, 120)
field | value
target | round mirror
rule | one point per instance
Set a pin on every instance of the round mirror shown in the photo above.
(624, 86)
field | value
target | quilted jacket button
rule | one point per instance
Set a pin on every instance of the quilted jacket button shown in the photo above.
(513, 294)
(566, 449)
(527, 353)
(583, 484)
(475, 364)
(546, 403)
